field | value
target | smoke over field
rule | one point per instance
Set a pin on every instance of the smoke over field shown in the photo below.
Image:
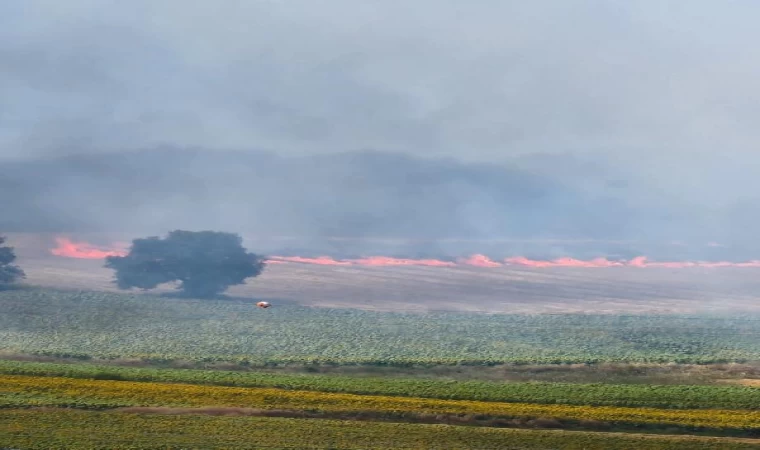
(361, 204)
(514, 137)
(516, 129)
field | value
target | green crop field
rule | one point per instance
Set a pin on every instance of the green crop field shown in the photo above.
(74, 430)
(112, 325)
(628, 395)
(92, 337)
(172, 398)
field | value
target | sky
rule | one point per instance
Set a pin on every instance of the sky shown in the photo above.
(663, 94)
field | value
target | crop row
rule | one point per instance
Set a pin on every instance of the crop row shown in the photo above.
(660, 396)
(55, 391)
(113, 325)
(73, 430)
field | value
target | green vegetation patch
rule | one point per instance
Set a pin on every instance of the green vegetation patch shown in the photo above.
(112, 325)
(72, 429)
(662, 396)
(106, 394)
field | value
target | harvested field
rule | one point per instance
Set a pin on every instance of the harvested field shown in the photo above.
(411, 288)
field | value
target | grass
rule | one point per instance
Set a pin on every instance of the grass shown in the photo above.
(19, 391)
(609, 373)
(635, 395)
(74, 430)
(112, 325)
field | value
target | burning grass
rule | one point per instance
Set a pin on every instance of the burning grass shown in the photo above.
(84, 250)
(506, 289)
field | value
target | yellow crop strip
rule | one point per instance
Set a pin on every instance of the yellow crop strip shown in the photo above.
(84, 392)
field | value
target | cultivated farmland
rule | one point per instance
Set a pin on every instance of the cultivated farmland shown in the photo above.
(72, 429)
(384, 357)
(110, 325)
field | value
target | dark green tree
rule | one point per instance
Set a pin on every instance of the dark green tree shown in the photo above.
(205, 263)
(9, 273)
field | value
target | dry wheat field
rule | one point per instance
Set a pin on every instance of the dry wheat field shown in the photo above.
(475, 289)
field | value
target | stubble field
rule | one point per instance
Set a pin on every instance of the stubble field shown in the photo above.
(614, 290)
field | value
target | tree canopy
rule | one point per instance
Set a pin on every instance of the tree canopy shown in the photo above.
(205, 263)
(9, 273)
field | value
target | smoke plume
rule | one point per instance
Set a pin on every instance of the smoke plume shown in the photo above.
(356, 204)
(415, 130)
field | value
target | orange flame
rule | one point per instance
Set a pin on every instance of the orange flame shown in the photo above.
(386, 261)
(479, 261)
(639, 261)
(82, 250)
(321, 260)
(70, 249)
(563, 262)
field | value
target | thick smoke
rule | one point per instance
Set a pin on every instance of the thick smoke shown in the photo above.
(627, 123)
(346, 205)
(352, 195)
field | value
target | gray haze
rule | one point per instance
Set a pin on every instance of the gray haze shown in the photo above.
(571, 119)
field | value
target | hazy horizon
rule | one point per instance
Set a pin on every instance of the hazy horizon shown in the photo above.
(433, 120)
